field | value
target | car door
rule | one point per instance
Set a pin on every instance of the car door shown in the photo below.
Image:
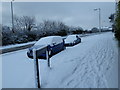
(56, 45)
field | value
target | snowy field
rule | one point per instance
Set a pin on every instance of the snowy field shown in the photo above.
(90, 64)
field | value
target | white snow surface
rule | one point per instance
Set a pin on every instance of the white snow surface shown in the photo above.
(93, 63)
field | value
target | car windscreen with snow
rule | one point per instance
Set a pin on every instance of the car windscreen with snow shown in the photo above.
(70, 39)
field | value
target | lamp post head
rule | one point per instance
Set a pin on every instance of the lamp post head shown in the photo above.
(95, 9)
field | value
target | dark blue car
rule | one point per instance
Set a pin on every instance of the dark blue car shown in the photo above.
(54, 44)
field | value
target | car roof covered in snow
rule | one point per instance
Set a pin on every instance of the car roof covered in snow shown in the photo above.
(49, 40)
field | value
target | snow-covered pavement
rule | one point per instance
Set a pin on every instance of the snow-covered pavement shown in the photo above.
(90, 64)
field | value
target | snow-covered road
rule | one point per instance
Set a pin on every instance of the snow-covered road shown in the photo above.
(90, 64)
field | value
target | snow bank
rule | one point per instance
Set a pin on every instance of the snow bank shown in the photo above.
(16, 45)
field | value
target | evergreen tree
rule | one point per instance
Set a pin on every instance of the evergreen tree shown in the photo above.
(117, 22)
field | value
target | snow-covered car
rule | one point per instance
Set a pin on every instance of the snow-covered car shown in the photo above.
(55, 44)
(72, 40)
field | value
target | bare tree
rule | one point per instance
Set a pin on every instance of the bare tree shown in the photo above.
(62, 26)
(18, 23)
(28, 22)
(24, 22)
(53, 26)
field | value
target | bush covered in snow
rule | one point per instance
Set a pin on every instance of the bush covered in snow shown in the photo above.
(117, 22)
(26, 30)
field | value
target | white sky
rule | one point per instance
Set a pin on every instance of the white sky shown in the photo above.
(71, 13)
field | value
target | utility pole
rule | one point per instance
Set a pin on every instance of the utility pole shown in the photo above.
(99, 18)
(12, 16)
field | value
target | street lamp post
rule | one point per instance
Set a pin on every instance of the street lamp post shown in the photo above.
(12, 16)
(99, 18)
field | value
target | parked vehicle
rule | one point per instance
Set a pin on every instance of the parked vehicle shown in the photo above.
(72, 40)
(55, 44)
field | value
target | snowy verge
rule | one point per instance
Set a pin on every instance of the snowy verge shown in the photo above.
(16, 45)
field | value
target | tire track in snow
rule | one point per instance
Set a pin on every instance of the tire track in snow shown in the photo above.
(99, 53)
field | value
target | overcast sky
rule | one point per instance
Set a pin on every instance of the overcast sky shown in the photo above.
(71, 13)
